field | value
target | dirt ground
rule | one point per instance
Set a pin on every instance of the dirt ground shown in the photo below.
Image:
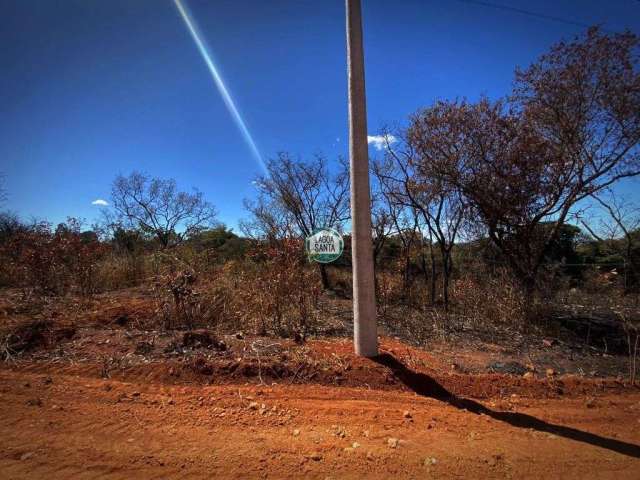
(97, 391)
(64, 421)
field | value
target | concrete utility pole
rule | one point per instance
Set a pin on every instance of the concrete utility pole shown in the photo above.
(365, 333)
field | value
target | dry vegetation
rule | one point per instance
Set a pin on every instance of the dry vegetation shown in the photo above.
(475, 213)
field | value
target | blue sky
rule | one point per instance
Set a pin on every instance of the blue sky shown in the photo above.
(90, 89)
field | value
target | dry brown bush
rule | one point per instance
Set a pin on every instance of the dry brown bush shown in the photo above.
(273, 291)
(390, 289)
(277, 291)
(118, 271)
(53, 262)
(185, 301)
(484, 299)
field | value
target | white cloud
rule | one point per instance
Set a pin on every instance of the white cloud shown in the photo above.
(379, 142)
(100, 202)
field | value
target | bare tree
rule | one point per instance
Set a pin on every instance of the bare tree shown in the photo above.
(383, 212)
(382, 226)
(392, 218)
(298, 197)
(620, 228)
(440, 205)
(157, 208)
(571, 130)
(268, 220)
(10, 224)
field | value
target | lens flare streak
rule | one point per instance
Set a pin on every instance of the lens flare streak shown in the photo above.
(217, 78)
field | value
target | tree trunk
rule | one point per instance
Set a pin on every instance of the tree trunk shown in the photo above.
(423, 264)
(405, 275)
(324, 275)
(445, 282)
(433, 274)
(163, 238)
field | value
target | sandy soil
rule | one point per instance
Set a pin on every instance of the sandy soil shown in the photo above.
(69, 423)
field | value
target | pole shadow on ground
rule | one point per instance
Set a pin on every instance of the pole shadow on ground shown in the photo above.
(426, 386)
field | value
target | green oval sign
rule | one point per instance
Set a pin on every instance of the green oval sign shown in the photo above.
(324, 245)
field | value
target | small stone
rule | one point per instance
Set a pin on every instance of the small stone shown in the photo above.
(315, 456)
(135, 394)
(296, 432)
(370, 456)
(407, 414)
(339, 431)
(253, 406)
(26, 456)
(528, 375)
(550, 372)
(393, 442)
(355, 445)
(429, 461)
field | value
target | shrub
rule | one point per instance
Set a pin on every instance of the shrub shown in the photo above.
(389, 290)
(493, 299)
(53, 262)
(278, 290)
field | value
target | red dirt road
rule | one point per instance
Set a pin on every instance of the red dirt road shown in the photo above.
(61, 425)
